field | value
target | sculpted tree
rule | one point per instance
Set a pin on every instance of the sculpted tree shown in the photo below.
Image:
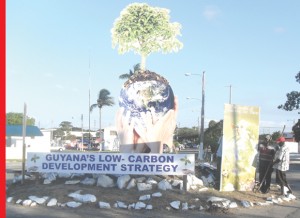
(145, 29)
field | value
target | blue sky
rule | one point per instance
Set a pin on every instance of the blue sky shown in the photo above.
(58, 50)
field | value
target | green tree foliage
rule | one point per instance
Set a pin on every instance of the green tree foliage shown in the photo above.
(66, 126)
(58, 133)
(145, 29)
(212, 134)
(296, 131)
(136, 69)
(293, 99)
(275, 135)
(187, 134)
(104, 99)
(17, 119)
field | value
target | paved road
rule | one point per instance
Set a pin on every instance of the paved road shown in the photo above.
(291, 210)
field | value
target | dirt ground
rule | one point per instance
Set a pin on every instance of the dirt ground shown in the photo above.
(57, 189)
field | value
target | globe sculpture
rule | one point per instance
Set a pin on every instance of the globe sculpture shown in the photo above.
(146, 91)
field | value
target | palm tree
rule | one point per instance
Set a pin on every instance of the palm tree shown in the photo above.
(136, 69)
(103, 100)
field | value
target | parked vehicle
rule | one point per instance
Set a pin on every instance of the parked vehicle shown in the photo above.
(57, 147)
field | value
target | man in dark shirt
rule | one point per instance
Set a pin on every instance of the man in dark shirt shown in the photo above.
(266, 155)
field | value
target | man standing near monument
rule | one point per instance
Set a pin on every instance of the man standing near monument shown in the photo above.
(281, 163)
(266, 155)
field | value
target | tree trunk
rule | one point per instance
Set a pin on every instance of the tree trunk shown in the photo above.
(143, 62)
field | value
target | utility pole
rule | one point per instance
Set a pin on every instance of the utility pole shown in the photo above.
(24, 144)
(89, 99)
(200, 155)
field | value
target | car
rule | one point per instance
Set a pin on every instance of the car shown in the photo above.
(56, 147)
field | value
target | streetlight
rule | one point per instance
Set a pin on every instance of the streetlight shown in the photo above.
(200, 154)
(230, 86)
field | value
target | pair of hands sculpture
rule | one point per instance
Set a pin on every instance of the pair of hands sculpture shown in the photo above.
(147, 133)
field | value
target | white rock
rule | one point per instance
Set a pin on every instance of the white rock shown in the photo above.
(9, 199)
(77, 175)
(52, 202)
(222, 202)
(279, 200)
(177, 182)
(83, 198)
(88, 181)
(193, 187)
(149, 207)
(164, 185)
(104, 205)
(72, 182)
(33, 204)
(38, 200)
(121, 204)
(140, 205)
(233, 205)
(131, 206)
(49, 176)
(27, 202)
(140, 179)
(175, 204)
(18, 201)
(203, 189)
(19, 178)
(151, 181)
(144, 197)
(157, 194)
(122, 181)
(192, 207)
(245, 203)
(262, 203)
(105, 181)
(144, 186)
(64, 175)
(131, 184)
(291, 196)
(47, 182)
(73, 204)
(194, 180)
(185, 206)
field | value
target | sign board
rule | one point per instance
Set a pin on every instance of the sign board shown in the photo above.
(240, 138)
(111, 163)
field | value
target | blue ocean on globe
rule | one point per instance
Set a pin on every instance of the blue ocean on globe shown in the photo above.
(140, 96)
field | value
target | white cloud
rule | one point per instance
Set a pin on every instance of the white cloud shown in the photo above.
(211, 12)
(279, 30)
(59, 86)
(48, 75)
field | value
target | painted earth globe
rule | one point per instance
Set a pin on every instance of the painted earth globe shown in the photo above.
(146, 91)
